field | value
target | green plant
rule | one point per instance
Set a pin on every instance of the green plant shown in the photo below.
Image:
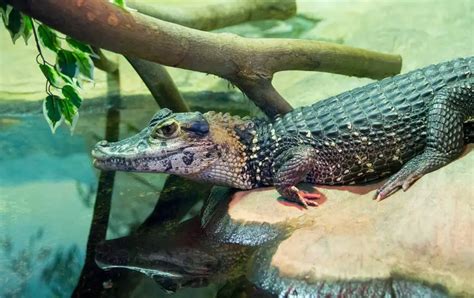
(73, 65)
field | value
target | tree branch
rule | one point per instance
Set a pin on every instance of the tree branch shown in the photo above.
(217, 15)
(235, 58)
(204, 17)
(160, 84)
(103, 63)
(268, 99)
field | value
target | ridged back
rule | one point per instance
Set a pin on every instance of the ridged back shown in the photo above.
(371, 130)
(401, 98)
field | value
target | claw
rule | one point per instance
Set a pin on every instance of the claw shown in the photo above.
(392, 186)
(385, 191)
(381, 195)
(378, 197)
(306, 198)
(409, 181)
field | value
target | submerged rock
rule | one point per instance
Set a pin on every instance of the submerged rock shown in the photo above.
(418, 242)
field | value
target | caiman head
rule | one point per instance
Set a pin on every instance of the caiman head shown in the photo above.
(204, 147)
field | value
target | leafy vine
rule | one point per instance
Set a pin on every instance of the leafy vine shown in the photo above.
(72, 67)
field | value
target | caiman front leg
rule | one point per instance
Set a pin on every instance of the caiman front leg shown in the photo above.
(292, 167)
(445, 137)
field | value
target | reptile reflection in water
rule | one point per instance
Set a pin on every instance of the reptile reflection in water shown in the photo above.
(183, 256)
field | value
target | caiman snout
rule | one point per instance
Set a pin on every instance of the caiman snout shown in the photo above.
(103, 155)
(97, 151)
(121, 155)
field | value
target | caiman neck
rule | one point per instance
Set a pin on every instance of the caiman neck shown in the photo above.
(233, 137)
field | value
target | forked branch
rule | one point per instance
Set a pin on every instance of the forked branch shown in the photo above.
(245, 62)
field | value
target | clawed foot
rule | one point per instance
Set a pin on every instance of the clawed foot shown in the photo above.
(393, 184)
(305, 198)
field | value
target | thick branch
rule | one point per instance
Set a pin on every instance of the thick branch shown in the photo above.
(160, 84)
(217, 15)
(226, 55)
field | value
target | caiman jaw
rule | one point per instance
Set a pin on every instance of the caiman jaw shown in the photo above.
(121, 157)
(104, 161)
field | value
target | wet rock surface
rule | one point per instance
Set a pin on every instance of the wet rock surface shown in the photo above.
(417, 242)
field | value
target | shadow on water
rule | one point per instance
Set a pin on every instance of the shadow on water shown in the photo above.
(170, 247)
(173, 249)
(182, 256)
(92, 278)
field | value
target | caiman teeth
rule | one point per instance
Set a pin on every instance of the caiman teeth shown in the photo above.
(112, 163)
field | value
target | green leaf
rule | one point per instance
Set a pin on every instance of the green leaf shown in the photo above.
(66, 63)
(27, 29)
(51, 75)
(68, 110)
(70, 93)
(65, 78)
(52, 111)
(120, 3)
(48, 38)
(82, 47)
(15, 24)
(4, 11)
(86, 65)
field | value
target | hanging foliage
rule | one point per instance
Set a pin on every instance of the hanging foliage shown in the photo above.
(73, 64)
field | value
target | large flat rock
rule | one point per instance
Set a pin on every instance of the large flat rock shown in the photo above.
(424, 234)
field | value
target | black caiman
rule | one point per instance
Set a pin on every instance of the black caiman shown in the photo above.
(407, 125)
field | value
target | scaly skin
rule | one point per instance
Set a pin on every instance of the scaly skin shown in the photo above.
(410, 125)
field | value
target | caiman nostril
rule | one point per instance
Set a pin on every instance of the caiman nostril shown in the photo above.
(98, 150)
(103, 143)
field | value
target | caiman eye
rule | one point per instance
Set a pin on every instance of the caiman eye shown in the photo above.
(167, 131)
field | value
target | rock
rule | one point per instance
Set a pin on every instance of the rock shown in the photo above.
(418, 241)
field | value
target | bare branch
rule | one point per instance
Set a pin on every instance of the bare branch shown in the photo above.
(216, 15)
(264, 95)
(160, 84)
(103, 63)
(206, 17)
(155, 76)
(226, 55)
(283, 55)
